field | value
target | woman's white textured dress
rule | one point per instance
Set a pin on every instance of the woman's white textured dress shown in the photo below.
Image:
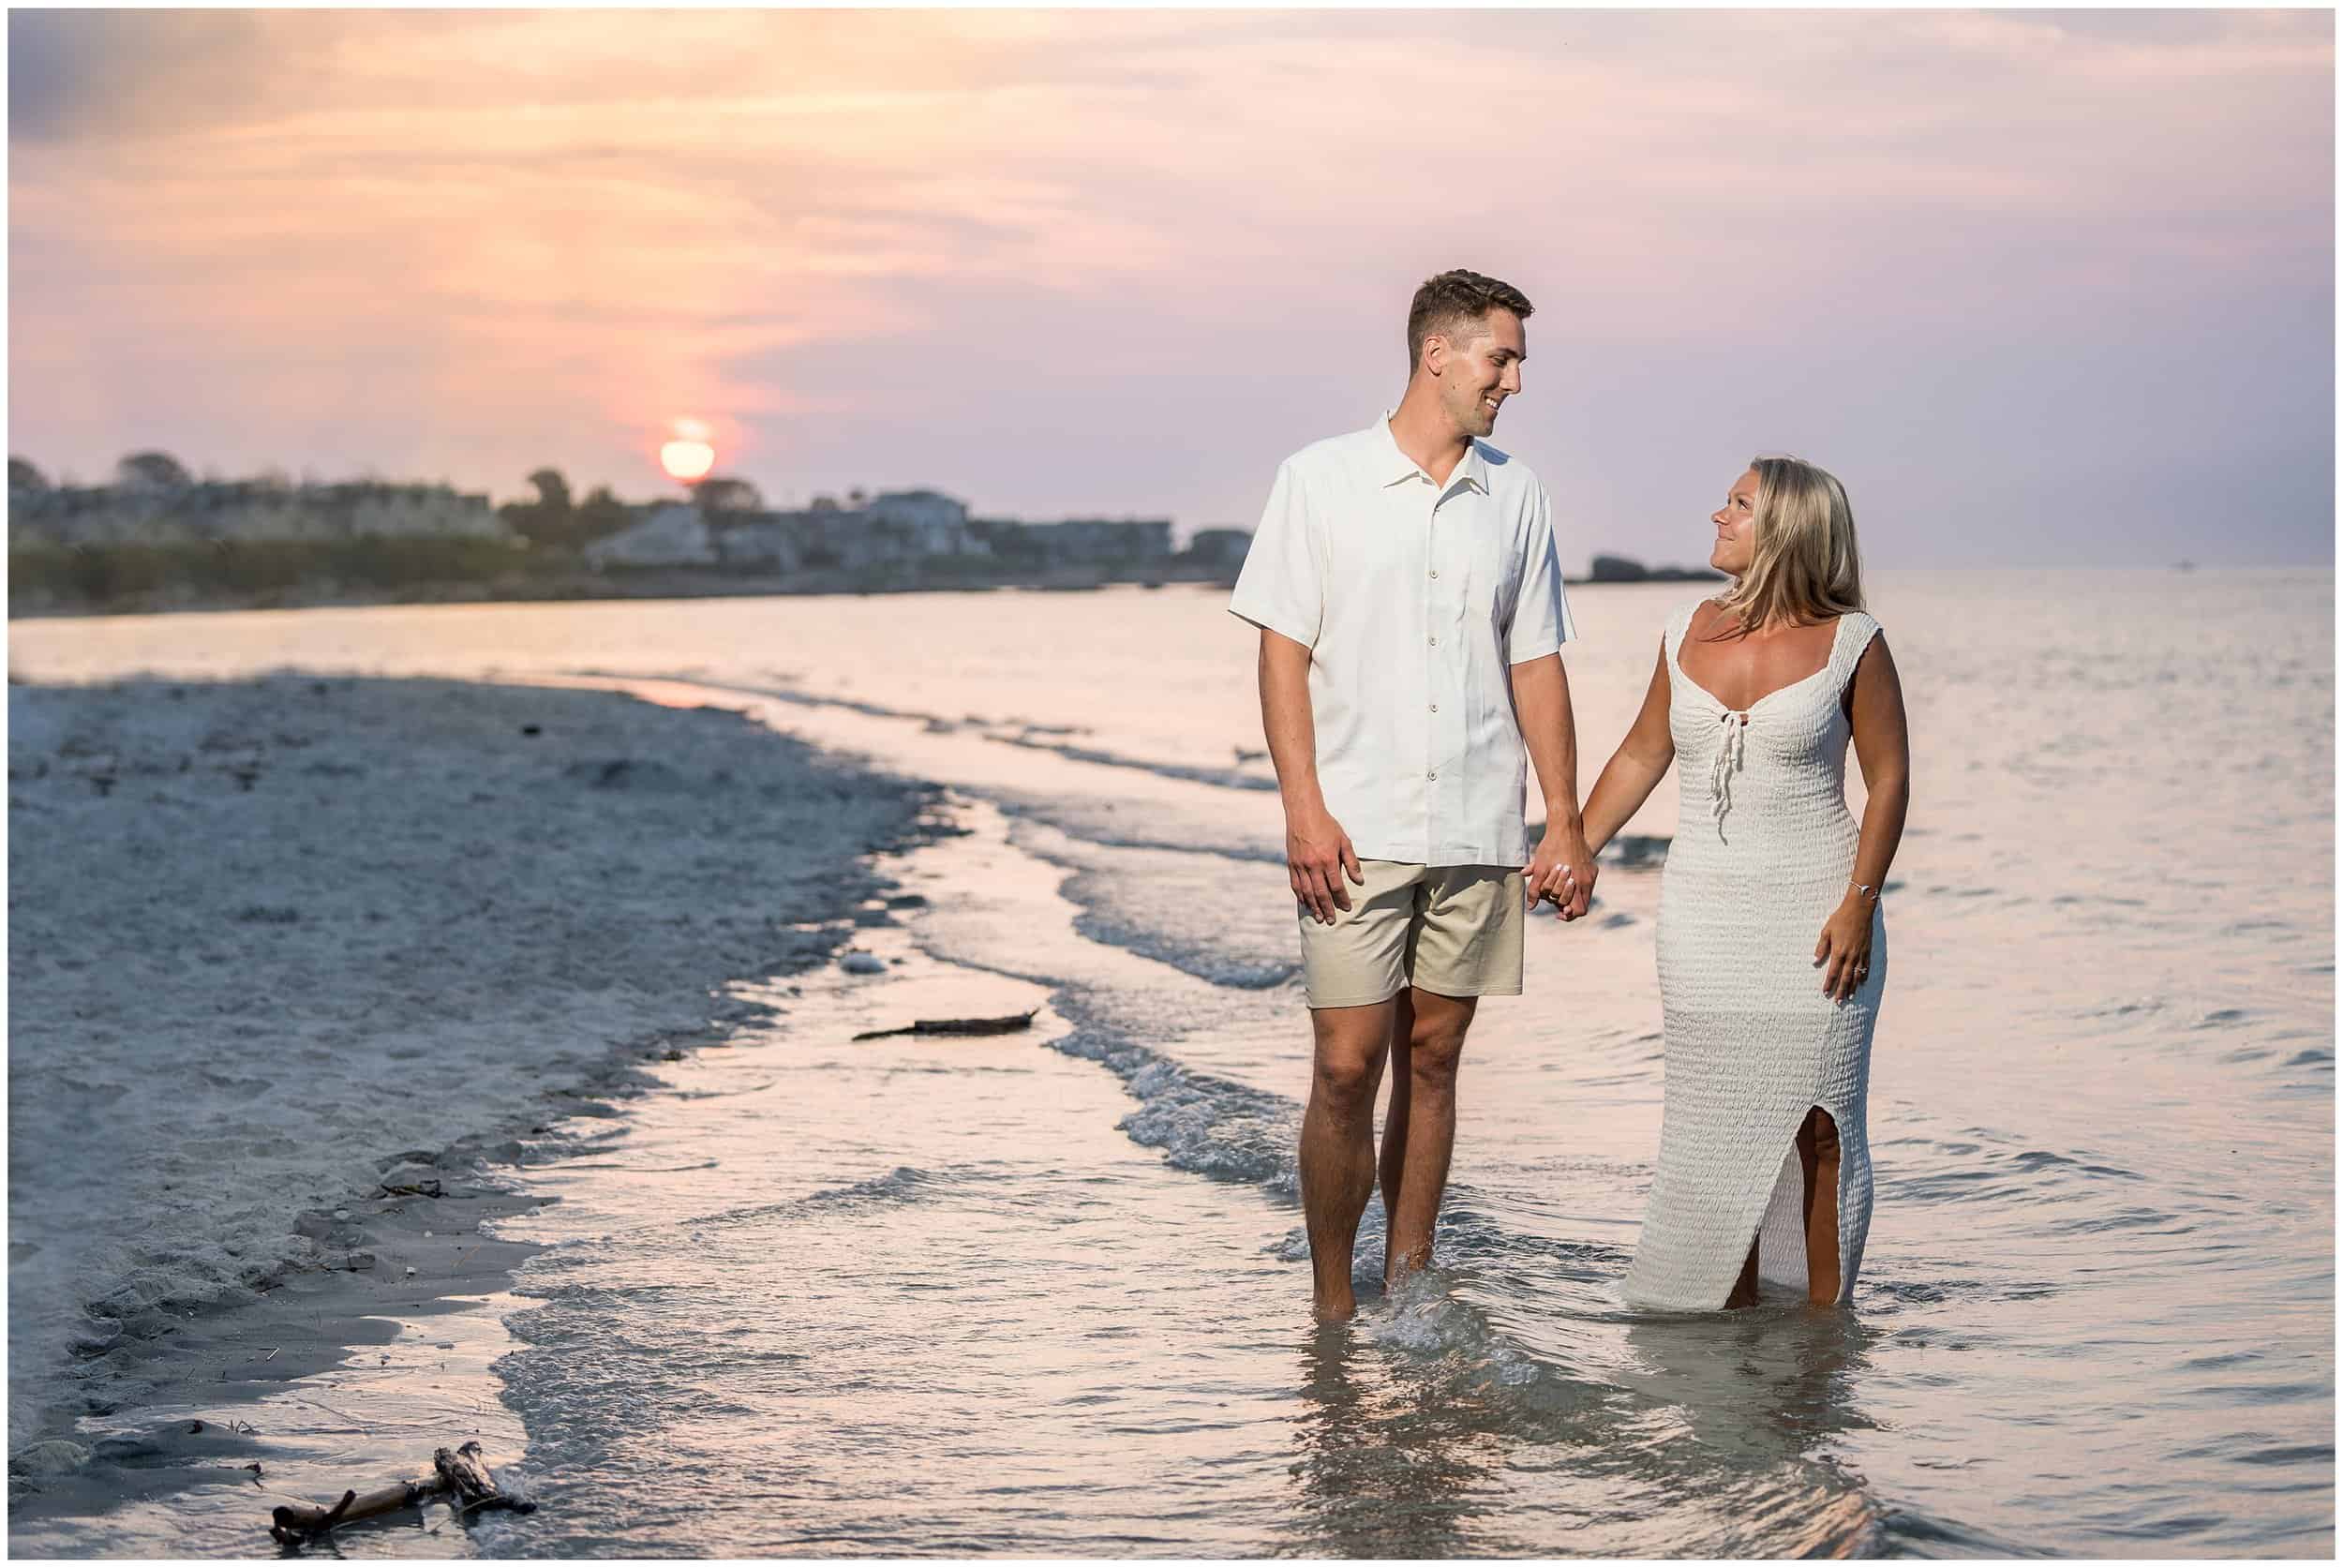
(1764, 848)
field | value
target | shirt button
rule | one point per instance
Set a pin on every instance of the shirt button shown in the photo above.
(1433, 774)
(1435, 642)
(1436, 707)
(1434, 571)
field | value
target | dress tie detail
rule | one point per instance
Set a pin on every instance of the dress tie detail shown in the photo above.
(1730, 748)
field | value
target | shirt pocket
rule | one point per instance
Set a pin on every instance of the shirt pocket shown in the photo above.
(1493, 582)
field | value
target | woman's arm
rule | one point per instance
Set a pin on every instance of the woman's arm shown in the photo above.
(1637, 767)
(1882, 749)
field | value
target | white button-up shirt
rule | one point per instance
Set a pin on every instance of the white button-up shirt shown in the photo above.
(1414, 599)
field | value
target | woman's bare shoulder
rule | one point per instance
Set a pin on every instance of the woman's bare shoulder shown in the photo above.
(1701, 616)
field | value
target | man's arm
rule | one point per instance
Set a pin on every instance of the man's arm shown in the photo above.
(1563, 868)
(1318, 851)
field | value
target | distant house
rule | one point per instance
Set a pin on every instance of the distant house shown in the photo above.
(1219, 547)
(895, 527)
(368, 509)
(832, 536)
(248, 510)
(1079, 540)
(759, 541)
(930, 522)
(674, 535)
(903, 526)
(825, 536)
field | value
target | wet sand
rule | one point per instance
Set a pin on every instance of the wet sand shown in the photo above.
(380, 1354)
(282, 948)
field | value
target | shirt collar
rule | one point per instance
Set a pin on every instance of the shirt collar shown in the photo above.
(1395, 465)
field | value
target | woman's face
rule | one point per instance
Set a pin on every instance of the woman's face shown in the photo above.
(1737, 528)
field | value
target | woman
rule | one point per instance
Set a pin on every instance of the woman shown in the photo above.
(1771, 946)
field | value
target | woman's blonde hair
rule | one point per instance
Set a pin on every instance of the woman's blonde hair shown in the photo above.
(1804, 566)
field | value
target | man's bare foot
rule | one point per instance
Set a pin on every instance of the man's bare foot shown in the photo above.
(1330, 1310)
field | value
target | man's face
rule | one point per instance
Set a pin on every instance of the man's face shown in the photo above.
(1478, 369)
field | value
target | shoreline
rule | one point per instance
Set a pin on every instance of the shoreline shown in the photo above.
(205, 1420)
(583, 587)
(653, 584)
(315, 1257)
(686, 583)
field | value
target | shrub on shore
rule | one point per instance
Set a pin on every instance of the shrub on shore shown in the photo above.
(90, 574)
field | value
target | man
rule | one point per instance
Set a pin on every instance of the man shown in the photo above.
(1410, 611)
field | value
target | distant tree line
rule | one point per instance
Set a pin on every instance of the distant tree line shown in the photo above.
(554, 524)
(140, 471)
(98, 574)
(554, 518)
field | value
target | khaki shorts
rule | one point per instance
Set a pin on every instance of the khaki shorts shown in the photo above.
(1453, 930)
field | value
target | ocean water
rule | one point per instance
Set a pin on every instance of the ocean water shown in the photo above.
(1046, 1294)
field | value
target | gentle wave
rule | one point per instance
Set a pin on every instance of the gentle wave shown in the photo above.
(1008, 732)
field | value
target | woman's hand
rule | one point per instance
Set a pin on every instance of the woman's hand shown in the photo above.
(1562, 870)
(1844, 952)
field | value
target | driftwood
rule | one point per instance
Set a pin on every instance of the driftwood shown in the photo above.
(1008, 1025)
(457, 1472)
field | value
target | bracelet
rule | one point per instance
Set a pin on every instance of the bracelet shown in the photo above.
(1869, 892)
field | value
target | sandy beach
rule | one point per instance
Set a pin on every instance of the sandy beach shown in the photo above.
(296, 963)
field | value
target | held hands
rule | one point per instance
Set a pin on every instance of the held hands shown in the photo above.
(1562, 870)
(1844, 952)
(1318, 857)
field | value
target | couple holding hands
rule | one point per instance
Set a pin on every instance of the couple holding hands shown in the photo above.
(1405, 583)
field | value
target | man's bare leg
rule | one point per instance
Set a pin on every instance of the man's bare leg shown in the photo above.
(1420, 1132)
(1337, 1160)
(1392, 1157)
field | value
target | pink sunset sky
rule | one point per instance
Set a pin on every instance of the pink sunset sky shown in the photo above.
(2043, 287)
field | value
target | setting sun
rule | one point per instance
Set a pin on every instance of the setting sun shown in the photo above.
(688, 457)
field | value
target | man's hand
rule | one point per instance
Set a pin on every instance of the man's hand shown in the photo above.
(1318, 856)
(1561, 870)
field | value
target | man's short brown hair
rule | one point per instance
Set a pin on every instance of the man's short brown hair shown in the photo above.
(1453, 301)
